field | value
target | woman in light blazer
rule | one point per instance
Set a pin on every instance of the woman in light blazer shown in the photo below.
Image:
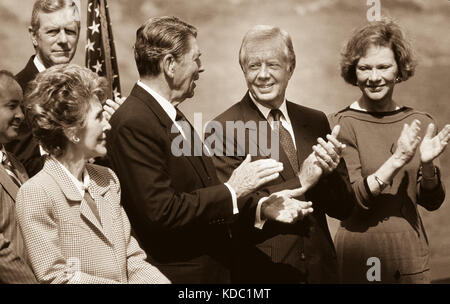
(75, 229)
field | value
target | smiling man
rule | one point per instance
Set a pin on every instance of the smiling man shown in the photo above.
(271, 252)
(13, 266)
(54, 32)
(177, 206)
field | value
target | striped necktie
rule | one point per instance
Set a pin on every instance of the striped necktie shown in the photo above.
(10, 169)
(286, 140)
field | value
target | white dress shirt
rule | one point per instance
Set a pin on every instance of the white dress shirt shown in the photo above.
(40, 67)
(286, 122)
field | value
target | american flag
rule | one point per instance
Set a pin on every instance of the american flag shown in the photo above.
(100, 50)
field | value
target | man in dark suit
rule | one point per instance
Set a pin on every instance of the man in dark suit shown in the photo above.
(273, 252)
(178, 208)
(13, 266)
(54, 32)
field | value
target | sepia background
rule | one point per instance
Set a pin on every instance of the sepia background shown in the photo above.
(319, 29)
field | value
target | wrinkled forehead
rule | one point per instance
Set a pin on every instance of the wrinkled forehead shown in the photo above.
(64, 16)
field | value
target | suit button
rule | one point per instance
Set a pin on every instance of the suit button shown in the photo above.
(302, 256)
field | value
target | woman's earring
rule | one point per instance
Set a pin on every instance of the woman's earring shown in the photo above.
(398, 79)
(75, 139)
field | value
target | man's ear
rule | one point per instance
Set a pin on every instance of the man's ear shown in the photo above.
(33, 36)
(168, 65)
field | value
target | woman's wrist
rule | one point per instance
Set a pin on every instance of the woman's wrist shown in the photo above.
(428, 170)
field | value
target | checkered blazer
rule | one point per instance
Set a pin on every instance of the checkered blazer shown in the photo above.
(65, 241)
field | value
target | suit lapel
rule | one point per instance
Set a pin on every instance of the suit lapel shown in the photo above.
(196, 161)
(98, 187)
(252, 113)
(19, 170)
(72, 193)
(300, 126)
(7, 183)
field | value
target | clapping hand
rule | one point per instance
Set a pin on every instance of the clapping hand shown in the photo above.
(407, 143)
(283, 207)
(431, 147)
(324, 159)
(251, 175)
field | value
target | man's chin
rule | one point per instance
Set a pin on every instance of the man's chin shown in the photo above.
(60, 60)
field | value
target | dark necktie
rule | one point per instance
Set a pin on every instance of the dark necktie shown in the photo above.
(286, 140)
(91, 203)
(10, 170)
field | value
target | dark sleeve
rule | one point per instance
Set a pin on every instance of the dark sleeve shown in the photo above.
(13, 269)
(362, 194)
(333, 193)
(140, 157)
(430, 199)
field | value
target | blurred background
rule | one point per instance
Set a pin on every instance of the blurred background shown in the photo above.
(319, 29)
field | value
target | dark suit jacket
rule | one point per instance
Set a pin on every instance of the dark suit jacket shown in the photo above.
(302, 252)
(13, 266)
(176, 205)
(25, 147)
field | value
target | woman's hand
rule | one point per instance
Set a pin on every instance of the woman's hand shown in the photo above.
(431, 147)
(407, 143)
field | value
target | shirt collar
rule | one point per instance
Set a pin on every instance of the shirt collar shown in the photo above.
(164, 103)
(39, 66)
(81, 186)
(266, 111)
(2, 151)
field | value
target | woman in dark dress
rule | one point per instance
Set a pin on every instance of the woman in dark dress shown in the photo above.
(391, 156)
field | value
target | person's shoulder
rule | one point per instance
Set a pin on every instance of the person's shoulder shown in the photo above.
(339, 116)
(132, 112)
(103, 176)
(27, 74)
(233, 113)
(307, 110)
(419, 114)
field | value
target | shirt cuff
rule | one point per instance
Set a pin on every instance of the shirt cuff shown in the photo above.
(233, 198)
(259, 223)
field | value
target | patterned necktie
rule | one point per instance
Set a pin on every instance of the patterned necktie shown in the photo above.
(10, 170)
(286, 140)
(91, 203)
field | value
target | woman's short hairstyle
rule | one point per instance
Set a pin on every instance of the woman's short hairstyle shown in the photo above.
(158, 37)
(266, 32)
(59, 99)
(50, 6)
(378, 33)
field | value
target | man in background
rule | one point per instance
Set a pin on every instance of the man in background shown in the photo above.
(13, 266)
(54, 32)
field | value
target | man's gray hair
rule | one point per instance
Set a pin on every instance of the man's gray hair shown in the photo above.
(266, 32)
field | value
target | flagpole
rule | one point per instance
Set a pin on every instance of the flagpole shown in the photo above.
(106, 48)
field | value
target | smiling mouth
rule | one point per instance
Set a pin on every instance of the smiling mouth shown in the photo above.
(265, 87)
(376, 88)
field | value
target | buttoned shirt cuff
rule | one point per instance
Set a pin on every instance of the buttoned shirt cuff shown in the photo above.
(234, 198)
(259, 223)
